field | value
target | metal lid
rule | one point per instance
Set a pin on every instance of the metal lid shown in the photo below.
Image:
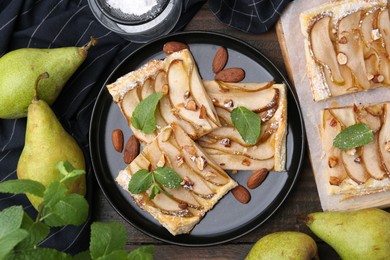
(119, 16)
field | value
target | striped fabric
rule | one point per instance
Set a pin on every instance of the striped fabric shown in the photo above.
(254, 16)
(53, 24)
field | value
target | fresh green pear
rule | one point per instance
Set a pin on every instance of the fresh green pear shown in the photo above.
(361, 234)
(46, 143)
(284, 245)
(20, 68)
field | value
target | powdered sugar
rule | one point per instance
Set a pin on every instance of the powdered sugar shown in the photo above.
(132, 7)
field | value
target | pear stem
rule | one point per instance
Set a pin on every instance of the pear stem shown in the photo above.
(91, 43)
(42, 76)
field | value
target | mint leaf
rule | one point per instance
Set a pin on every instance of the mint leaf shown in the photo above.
(68, 172)
(143, 117)
(142, 253)
(39, 254)
(106, 238)
(140, 181)
(82, 256)
(70, 210)
(155, 190)
(167, 177)
(22, 186)
(117, 255)
(37, 231)
(354, 136)
(54, 193)
(247, 123)
(10, 220)
(8, 242)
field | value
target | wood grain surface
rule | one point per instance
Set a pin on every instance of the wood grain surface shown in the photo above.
(302, 200)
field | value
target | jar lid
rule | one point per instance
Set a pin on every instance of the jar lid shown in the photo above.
(130, 12)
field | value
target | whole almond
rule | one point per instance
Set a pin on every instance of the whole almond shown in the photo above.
(131, 150)
(241, 194)
(257, 178)
(171, 47)
(220, 59)
(231, 75)
(117, 140)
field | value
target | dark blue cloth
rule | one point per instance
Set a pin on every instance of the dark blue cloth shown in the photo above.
(254, 16)
(53, 24)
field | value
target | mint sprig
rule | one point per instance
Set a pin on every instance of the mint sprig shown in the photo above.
(20, 235)
(142, 180)
(143, 117)
(248, 124)
(354, 136)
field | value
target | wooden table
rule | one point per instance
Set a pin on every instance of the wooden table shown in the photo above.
(302, 200)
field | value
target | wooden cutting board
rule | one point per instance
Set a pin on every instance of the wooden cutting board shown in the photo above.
(292, 45)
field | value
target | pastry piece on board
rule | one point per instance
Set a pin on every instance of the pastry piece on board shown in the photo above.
(362, 170)
(225, 145)
(204, 182)
(347, 47)
(184, 102)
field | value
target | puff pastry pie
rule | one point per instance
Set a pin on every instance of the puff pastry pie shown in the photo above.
(204, 182)
(225, 145)
(185, 101)
(347, 47)
(362, 170)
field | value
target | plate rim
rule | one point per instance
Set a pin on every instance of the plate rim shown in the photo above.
(270, 64)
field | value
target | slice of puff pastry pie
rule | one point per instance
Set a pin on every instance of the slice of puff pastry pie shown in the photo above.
(204, 182)
(347, 47)
(361, 170)
(185, 100)
(225, 145)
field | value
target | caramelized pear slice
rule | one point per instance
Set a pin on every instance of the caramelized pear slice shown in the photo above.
(220, 177)
(384, 139)
(351, 45)
(322, 48)
(251, 100)
(372, 160)
(363, 116)
(345, 116)
(354, 167)
(330, 129)
(376, 56)
(240, 162)
(384, 27)
(215, 140)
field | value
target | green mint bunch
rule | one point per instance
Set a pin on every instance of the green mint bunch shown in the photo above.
(20, 235)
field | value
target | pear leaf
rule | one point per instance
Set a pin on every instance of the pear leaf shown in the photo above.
(247, 123)
(106, 238)
(68, 172)
(142, 253)
(20, 186)
(140, 181)
(354, 136)
(143, 117)
(167, 177)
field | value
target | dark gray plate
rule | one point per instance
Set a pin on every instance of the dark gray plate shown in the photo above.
(226, 221)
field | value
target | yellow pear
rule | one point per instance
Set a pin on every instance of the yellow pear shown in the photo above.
(284, 245)
(46, 143)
